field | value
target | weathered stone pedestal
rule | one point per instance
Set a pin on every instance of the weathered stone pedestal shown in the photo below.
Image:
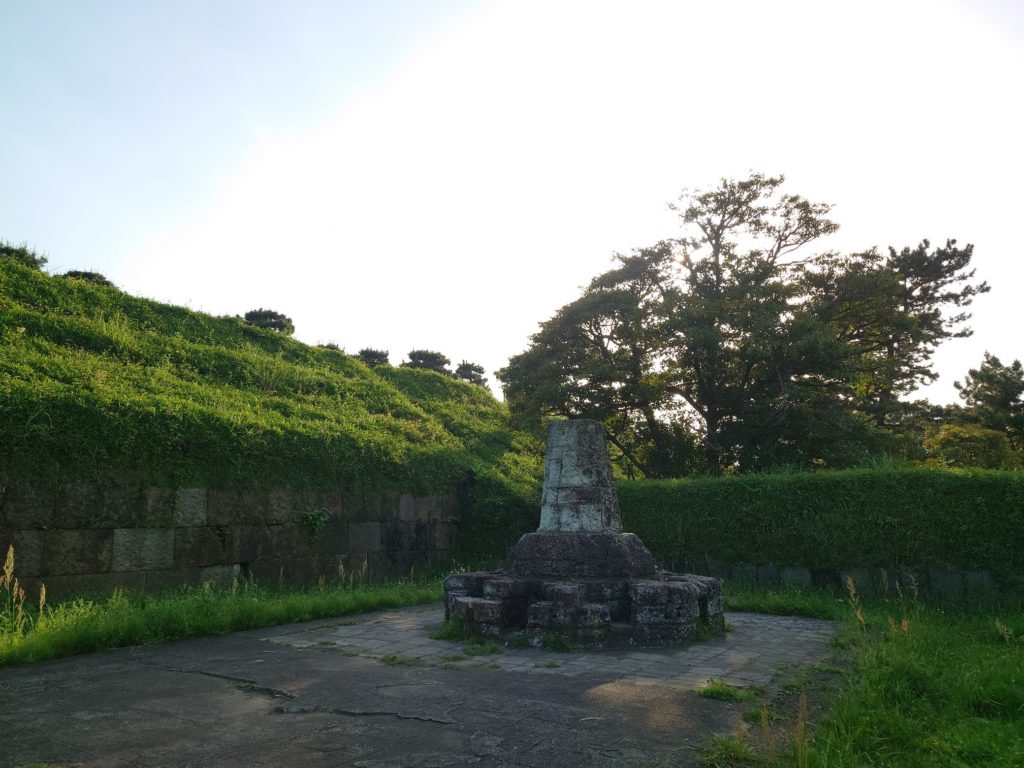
(578, 575)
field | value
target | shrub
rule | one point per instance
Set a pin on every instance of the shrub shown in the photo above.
(374, 357)
(472, 373)
(425, 358)
(271, 320)
(21, 254)
(968, 445)
(89, 277)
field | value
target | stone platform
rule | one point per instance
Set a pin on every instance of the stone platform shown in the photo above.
(590, 611)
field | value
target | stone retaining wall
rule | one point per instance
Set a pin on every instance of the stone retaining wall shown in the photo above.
(90, 539)
(948, 585)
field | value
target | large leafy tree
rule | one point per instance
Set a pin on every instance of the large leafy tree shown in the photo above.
(772, 355)
(603, 357)
(890, 312)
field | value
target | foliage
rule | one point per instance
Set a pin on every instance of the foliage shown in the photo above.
(994, 396)
(431, 361)
(270, 320)
(922, 686)
(784, 601)
(21, 254)
(100, 386)
(374, 357)
(89, 277)
(315, 520)
(968, 445)
(916, 518)
(127, 619)
(730, 334)
(932, 688)
(719, 690)
(472, 373)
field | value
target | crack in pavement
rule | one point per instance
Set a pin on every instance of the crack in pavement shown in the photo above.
(296, 709)
(249, 686)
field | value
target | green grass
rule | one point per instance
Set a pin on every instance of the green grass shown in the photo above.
(394, 660)
(927, 686)
(100, 386)
(717, 689)
(729, 752)
(126, 619)
(454, 631)
(785, 601)
(946, 692)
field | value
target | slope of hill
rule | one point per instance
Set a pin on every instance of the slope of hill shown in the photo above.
(100, 386)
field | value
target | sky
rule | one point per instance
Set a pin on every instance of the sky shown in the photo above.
(402, 174)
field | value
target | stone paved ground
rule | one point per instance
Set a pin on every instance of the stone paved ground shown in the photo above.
(751, 654)
(323, 693)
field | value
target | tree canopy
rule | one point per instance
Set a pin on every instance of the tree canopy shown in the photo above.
(21, 254)
(374, 357)
(425, 358)
(994, 396)
(733, 336)
(471, 372)
(271, 320)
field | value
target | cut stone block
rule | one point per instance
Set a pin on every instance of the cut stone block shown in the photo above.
(980, 586)
(190, 507)
(946, 585)
(142, 549)
(72, 552)
(365, 536)
(796, 577)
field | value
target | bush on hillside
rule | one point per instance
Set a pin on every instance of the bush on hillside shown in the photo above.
(472, 373)
(428, 359)
(88, 277)
(21, 254)
(271, 320)
(374, 357)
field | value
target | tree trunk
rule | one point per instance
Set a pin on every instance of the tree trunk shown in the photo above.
(712, 447)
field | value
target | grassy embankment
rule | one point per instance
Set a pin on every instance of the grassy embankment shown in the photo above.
(100, 386)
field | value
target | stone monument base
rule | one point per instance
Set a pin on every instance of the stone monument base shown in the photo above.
(578, 576)
(590, 611)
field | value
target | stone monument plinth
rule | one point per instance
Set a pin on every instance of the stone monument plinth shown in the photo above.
(579, 575)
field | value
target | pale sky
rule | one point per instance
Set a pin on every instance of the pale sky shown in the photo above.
(406, 174)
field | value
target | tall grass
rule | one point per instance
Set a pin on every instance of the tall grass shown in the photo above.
(33, 633)
(930, 686)
(932, 689)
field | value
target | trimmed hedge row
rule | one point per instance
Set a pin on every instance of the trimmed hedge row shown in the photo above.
(912, 518)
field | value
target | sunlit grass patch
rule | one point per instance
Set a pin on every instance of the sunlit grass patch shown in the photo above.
(32, 633)
(718, 689)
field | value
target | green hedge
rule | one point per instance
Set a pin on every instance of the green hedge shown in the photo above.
(915, 518)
